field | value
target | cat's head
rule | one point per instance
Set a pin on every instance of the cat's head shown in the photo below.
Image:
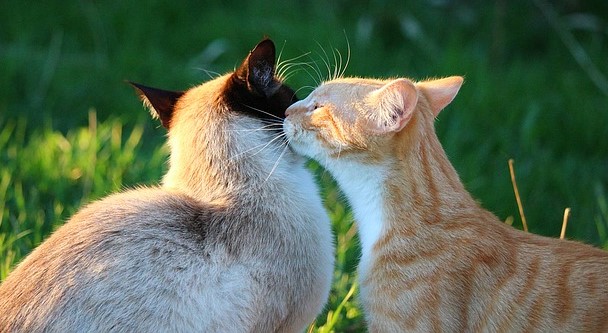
(217, 126)
(252, 89)
(366, 119)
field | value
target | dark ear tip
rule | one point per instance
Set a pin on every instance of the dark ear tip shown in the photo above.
(161, 102)
(266, 45)
(266, 41)
(137, 86)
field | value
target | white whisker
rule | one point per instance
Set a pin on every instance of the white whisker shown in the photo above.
(288, 67)
(212, 75)
(281, 53)
(285, 65)
(268, 127)
(276, 163)
(325, 61)
(336, 64)
(316, 70)
(305, 87)
(264, 112)
(347, 55)
(239, 155)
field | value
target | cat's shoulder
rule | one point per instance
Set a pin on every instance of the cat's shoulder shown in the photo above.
(141, 203)
(140, 213)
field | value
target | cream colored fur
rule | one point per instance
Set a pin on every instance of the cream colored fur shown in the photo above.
(236, 240)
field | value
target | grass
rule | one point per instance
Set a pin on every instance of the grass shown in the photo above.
(71, 131)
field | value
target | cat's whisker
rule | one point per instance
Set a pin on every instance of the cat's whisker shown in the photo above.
(237, 156)
(265, 145)
(337, 62)
(279, 147)
(317, 71)
(281, 62)
(264, 112)
(347, 55)
(288, 76)
(325, 61)
(288, 67)
(285, 65)
(280, 54)
(318, 79)
(305, 87)
(293, 64)
(276, 163)
(281, 144)
(339, 152)
(303, 66)
(211, 74)
(298, 57)
(268, 127)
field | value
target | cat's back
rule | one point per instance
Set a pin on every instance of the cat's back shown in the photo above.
(141, 260)
(519, 281)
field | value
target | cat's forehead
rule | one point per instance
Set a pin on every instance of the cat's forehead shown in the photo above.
(347, 88)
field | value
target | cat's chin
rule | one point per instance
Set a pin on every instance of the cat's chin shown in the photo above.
(298, 150)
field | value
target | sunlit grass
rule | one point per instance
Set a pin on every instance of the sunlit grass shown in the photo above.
(45, 179)
(525, 97)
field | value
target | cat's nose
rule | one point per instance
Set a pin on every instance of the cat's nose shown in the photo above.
(288, 111)
(293, 108)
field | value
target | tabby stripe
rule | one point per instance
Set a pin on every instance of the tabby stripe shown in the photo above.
(498, 295)
(403, 261)
(433, 215)
(535, 313)
(530, 278)
(563, 301)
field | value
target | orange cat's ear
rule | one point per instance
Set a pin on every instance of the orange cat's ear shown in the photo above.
(394, 105)
(160, 102)
(441, 92)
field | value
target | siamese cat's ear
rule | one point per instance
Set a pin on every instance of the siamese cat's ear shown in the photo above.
(258, 69)
(160, 102)
(441, 92)
(394, 104)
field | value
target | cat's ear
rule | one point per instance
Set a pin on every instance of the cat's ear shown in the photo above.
(160, 102)
(258, 69)
(394, 104)
(441, 92)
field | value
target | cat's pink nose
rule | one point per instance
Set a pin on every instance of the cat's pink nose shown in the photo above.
(288, 111)
(293, 108)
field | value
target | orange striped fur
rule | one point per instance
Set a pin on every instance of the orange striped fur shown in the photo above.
(433, 260)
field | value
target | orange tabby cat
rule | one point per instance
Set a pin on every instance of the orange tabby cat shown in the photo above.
(432, 258)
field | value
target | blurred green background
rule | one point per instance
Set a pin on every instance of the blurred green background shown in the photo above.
(72, 131)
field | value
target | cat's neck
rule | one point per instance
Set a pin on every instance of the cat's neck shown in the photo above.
(423, 188)
(417, 189)
(229, 171)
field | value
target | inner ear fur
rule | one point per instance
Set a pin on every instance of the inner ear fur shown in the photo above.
(258, 69)
(393, 104)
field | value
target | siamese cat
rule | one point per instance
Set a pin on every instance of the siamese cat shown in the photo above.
(235, 240)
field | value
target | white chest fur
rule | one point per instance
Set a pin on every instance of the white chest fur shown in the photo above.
(362, 185)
